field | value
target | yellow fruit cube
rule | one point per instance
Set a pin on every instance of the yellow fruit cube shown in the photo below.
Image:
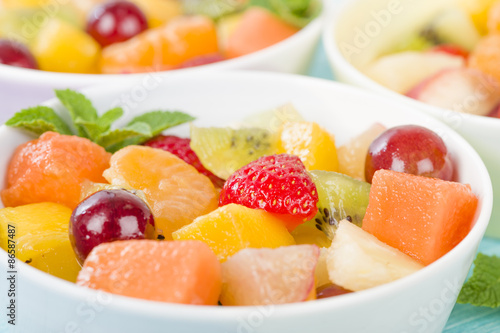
(478, 11)
(312, 143)
(62, 47)
(231, 228)
(40, 233)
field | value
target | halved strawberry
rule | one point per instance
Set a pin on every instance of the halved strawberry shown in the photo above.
(278, 184)
(180, 147)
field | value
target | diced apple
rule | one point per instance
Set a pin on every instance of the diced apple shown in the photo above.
(402, 71)
(357, 260)
(321, 273)
(270, 276)
(464, 90)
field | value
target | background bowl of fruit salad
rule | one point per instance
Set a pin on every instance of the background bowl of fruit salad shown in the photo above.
(438, 56)
(266, 198)
(78, 43)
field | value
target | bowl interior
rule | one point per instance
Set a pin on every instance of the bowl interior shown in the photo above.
(225, 98)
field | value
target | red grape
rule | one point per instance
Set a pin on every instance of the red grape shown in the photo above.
(115, 22)
(330, 290)
(106, 216)
(410, 149)
(16, 54)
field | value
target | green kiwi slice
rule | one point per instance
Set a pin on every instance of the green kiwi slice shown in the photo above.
(225, 150)
(340, 197)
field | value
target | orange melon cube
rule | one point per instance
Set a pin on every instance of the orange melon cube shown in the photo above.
(420, 216)
(257, 29)
(186, 272)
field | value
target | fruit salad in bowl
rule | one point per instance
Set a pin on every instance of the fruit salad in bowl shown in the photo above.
(79, 43)
(304, 208)
(438, 56)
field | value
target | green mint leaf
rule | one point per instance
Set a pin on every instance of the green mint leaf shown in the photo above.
(93, 129)
(109, 117)
(116, 139)
(483, 287)
(80, 109)
(88, 129)
(162, 120)
(39, 119)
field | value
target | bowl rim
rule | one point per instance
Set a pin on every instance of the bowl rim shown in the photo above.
(148, 308)
(332, 21)
(311, 30)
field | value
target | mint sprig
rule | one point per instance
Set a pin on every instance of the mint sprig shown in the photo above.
(90, 125)
(483, 287)
(39, 119)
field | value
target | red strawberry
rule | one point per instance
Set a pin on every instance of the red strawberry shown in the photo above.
(180, 147)
(278, 184)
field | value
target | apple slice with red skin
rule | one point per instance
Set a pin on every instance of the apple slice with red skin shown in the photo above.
(464, 90)
(450, 49)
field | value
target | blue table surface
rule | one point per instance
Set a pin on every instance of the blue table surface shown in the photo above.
(464, 318)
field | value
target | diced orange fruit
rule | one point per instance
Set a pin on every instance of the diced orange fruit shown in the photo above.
(486, 56)
(232, 228)
(177, 272)
(162, 48)
(52, 169)
(420, 216)
(62, 47)
(307, 234)
(175, 191)
(257, 30)
(41, 237)
(312, 143)
(352, 155)
(159, 12)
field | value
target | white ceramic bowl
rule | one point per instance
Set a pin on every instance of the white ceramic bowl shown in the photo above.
(21, 88)
(357, 32)
(48, 304)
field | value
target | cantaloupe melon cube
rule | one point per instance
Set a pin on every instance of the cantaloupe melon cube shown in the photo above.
(422, 217)
(184, 272)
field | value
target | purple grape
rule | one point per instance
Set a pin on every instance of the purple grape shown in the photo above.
(16, 54)
(107, 216)
(330, 290)
(411, 149)
(115, 22)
